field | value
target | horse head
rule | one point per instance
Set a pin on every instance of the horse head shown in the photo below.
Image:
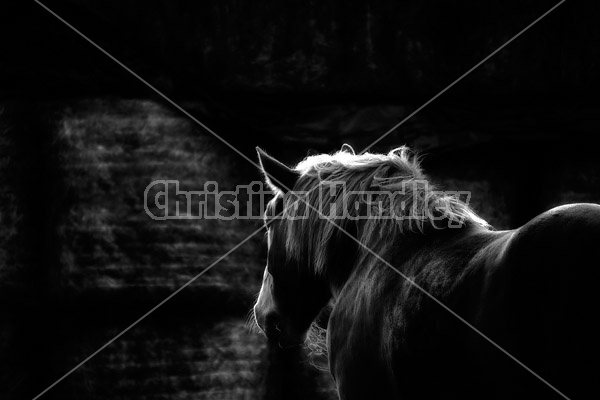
(291, 295)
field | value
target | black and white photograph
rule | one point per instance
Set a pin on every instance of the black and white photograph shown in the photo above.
(290, 200)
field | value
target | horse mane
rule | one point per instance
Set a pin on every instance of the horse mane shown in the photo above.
(416, 202)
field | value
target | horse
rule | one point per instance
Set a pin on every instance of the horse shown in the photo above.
(428, 300)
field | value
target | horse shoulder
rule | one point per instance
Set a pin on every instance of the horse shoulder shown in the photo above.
(358, 354)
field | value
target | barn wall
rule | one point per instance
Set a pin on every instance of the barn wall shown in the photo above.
(381, 49)
(81, 260)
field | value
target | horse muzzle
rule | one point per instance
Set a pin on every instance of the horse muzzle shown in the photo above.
(268, 322)
(277, 330)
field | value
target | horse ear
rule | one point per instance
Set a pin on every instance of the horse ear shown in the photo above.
(279, 177)
(348, 149)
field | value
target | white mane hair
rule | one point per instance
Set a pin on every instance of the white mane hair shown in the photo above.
(396, 172)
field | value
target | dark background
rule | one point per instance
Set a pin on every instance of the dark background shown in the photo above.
(80, 138)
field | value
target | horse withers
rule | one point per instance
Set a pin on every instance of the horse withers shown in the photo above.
(429, 301)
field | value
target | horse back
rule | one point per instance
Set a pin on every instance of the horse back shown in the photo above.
(530, 291)
(546, 280)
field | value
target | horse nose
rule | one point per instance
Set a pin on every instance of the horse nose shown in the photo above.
(272, 328)
(268, 323)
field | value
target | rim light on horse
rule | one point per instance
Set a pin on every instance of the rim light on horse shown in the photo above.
(528, 289)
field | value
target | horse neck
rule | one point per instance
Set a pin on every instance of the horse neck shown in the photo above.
(398, 251)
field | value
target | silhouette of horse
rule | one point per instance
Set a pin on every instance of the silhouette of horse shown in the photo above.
(429, 302)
